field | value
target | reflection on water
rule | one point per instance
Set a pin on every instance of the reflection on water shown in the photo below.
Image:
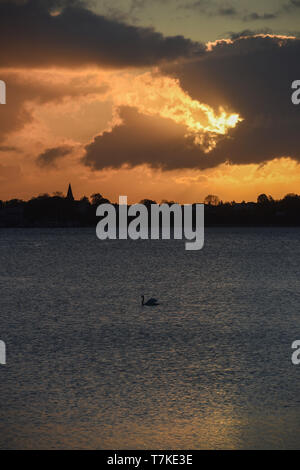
(210, 367)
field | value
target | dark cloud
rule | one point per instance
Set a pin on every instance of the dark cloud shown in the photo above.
(51, 155)
(229, 11)
(288, 8)
(249, 32)
(291, 6)
(209, 7)
(77, 37)
(213, 8)
(51, 5)
(258, 16)
(152, 140)
(251, 76)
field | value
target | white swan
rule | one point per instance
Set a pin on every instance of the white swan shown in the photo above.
(150, 303)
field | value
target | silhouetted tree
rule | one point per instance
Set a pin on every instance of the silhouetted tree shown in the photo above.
(264, 200)
(212, 200)
(98, 199)
(147, 202)
(291, 202)
(14, 203)
(170, 203)
(85, 199)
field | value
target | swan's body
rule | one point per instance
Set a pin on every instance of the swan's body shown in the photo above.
(150, 303)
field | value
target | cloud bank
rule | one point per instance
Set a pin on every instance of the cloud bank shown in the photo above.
(247, 75)
(66, 33)
(250, 75)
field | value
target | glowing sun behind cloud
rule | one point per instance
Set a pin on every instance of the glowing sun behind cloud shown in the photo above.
(63, 107)
(155, 94)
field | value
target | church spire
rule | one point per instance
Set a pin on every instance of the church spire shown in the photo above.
(70, 196)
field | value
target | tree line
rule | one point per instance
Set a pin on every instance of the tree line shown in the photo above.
(58, 211)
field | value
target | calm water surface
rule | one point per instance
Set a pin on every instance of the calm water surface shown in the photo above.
(209, 368)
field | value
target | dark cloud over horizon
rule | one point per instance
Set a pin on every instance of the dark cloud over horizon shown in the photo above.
(141, 139)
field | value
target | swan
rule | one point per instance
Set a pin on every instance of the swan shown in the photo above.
(150, 303)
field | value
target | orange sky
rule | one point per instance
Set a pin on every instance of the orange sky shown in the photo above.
(74, 120)
(81, 123)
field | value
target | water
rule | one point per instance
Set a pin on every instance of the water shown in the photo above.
(209, 368)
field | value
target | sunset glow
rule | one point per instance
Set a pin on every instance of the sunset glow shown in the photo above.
(50, 105)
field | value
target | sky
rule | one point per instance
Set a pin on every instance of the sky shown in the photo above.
(160, 99)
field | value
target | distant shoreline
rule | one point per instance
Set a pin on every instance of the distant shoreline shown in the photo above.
(21, 227)
(62, 212)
